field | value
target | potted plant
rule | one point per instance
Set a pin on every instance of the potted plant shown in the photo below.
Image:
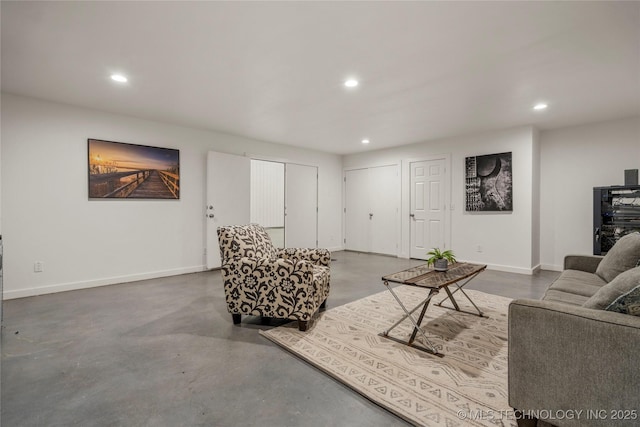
(440, 259)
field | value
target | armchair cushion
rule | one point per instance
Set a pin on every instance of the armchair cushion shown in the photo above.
(245, 241)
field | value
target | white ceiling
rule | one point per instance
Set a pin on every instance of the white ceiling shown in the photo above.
(273, 71)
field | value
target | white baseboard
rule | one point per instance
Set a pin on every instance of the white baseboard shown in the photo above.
(507, 268)
(336, 249)
(552, 267)
(511, 269)
(72, 286)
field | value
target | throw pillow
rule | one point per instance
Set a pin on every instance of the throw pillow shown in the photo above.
(628, 303)
(622, 256)
(610, 292)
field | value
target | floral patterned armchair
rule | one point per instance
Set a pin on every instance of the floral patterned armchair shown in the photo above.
(261, 280)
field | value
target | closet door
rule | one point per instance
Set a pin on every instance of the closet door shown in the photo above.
(357, 228)
(372, 200)
(384, 201)
(267, 198)
(301, 211)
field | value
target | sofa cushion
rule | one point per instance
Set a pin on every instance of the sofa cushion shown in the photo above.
(564, 297)
(619, 286)
(628, 303)
(625, 254)
(578, 282)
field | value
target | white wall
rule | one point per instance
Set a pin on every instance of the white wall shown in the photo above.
(573, 161)
(47, 216)
(506, 238)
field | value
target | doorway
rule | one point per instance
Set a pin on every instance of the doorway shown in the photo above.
(282, 197)
(284, 200)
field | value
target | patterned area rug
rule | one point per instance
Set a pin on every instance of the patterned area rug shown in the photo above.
(466, 387)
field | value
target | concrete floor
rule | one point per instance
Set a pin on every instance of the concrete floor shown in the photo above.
(164, 352)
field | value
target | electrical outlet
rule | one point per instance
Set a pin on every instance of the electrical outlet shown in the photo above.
(38, 267)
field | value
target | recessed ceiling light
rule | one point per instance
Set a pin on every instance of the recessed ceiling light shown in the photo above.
(119, 78)
(365, 141)
(540, 106)
(351, 83)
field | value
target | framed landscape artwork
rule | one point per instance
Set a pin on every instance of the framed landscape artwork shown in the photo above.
(128, 171)
(489, 183)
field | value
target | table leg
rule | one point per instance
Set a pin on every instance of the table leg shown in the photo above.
(432, 292)
(416, 325)
(471, 301)
(453, 300)
(402, 319)
(450, 296)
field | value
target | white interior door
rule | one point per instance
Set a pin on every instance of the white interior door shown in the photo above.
(301, 200)
(384, 191)
(372, 205)
(356, 232)
(228, 197)
(428, 184)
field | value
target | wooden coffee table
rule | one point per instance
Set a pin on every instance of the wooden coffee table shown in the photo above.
(425, 277)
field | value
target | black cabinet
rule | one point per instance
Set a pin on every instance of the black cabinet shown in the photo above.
(616, 212)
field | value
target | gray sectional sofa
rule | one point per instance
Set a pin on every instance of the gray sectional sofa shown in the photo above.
(574, 356)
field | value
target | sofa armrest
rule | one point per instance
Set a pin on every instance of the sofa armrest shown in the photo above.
(317, 256)
(565, 357)
(587, 263)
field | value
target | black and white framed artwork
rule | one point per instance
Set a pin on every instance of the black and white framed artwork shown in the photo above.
(489, 183)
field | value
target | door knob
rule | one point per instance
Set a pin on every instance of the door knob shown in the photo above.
(412, 215)
(210, 215)
(370, 216)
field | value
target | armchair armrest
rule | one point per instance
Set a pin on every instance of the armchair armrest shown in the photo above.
(586, 263)
(565, 357)
(317, 256)
(267, 287)
(242, 270)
